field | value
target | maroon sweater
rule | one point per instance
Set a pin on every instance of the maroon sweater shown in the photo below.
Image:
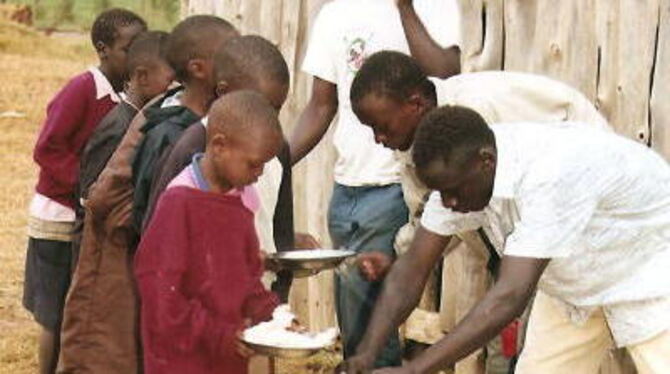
(71, 118)
(198, 272)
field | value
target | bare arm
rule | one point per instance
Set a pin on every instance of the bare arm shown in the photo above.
(401, 293)
(314, 119)
(505, 301)
(433, 59)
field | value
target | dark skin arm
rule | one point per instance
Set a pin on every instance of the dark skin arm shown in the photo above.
(402, 289)
(434, 60)
(314, 119)
(505, 301)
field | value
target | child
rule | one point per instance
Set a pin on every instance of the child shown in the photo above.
(149, 76)
(104, 278)
(198, 265)
(71, 117)
(191, 50)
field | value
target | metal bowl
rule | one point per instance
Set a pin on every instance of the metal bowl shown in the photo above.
(304, 263)
(272, 351)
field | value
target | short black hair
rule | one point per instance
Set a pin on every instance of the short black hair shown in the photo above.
(392, 74)
(196, 37)
(250, 57)
(106, 26)
(242, 112)
(146, 48)
(452, 133)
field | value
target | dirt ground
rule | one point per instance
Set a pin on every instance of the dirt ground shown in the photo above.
(33, 68)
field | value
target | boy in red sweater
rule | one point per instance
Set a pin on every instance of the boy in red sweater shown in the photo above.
(71, 117)
(198, 265)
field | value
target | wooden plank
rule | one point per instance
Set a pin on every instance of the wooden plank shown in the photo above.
(481, 35)
(659, 107)
(625, 69)
(554, 38)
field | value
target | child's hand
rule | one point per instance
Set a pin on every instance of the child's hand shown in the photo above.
(241, 348)
(373, 265)
(305, 241)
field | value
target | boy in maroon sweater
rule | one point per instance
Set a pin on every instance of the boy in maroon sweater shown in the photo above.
(198, 265)
(71, 117)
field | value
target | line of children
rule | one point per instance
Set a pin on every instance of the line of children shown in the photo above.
(100, 329)
(247, 62)
(94, 339)
(72, 116)
(191, 52)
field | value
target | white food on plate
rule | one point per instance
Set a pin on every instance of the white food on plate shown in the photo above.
(313, 254)
(274, 333)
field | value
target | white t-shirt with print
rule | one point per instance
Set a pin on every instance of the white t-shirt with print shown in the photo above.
(344, 34)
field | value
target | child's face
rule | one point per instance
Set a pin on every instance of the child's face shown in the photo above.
(239, 160)
(156, 80)
(113, 57)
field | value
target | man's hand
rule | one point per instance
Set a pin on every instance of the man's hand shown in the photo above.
(374, 265)
(358, 364)
(243, 349)
(305, 241)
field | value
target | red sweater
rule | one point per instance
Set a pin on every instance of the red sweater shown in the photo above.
(198, 271)
(71, 118)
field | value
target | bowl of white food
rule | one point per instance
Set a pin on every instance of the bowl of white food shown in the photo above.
(309, 262)
(274, 339)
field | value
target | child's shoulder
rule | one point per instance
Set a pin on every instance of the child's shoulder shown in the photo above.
(81, 85)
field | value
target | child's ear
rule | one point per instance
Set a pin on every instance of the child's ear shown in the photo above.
(196, 68)
(222, 88)
(101, 48)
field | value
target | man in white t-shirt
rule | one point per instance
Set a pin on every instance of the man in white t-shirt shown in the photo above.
(579, 213)
(367, 207)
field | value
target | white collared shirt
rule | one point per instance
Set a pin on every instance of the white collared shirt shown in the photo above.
(596, 204)
(102, 86)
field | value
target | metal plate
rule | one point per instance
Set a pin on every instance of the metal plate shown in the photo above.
(267, 350)
(309, 262)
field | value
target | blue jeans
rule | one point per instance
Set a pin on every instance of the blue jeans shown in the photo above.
(364, 219)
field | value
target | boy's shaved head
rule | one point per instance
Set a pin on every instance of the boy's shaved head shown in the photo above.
(196, 37)
(243, 114)
(252, 62)
(243, 134)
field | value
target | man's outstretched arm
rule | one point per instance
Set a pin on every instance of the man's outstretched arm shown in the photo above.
(314, 119)
(506, 300)
(433, 59)
(400, 295)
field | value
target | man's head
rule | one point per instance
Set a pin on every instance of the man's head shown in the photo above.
(192, 44)
(391, 94)
(149, 72)
(455, 154)
(243, 134)
(111, 34)
(251, 62)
